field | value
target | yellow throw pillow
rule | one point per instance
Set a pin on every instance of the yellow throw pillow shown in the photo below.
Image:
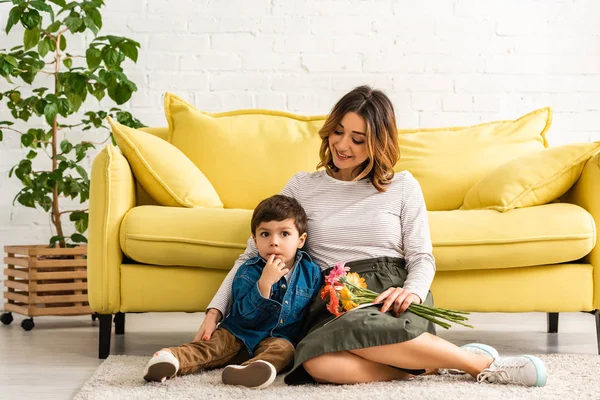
(447, 162)
(247, 154)
(531, 180)
(164, 172)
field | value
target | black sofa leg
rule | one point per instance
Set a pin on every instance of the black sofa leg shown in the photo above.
(552, 322)
(119, 323)
(105, 332)
(597, 315)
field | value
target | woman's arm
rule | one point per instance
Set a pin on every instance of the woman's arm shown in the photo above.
(223, 298)
(416, 239)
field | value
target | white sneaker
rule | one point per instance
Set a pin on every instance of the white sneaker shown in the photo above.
(519, 370)
(475, 348)
(162, 366)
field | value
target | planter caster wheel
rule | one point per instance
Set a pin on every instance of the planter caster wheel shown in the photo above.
(27, 324)
(6, 318)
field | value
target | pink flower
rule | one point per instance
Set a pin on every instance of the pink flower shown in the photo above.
(336, 273)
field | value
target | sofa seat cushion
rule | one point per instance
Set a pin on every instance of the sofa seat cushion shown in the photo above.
(194, 237)
(462, 240)
(488, 239)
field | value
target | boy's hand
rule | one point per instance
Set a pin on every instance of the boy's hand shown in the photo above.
(271, 274)
(209, 325)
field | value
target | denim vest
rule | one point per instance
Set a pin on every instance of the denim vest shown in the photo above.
(254, 318)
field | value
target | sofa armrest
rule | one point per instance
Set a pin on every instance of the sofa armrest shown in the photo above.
(112, 194)
(586, 193)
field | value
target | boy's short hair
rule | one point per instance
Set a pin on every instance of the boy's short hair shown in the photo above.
(279, 208)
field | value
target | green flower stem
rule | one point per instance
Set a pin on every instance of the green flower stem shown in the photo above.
(430, 318)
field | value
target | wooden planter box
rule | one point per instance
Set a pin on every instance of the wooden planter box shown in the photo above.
(45, 281)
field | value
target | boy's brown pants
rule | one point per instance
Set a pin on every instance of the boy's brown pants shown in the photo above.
(224, 349)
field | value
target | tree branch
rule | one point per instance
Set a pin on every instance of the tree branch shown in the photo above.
(14, 130)
(72, 211)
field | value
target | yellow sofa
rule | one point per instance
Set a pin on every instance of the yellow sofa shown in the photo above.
(144, 257)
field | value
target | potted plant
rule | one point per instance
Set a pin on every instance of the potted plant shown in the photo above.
(50, 279)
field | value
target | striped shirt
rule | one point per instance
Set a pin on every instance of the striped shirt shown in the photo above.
(351, 220)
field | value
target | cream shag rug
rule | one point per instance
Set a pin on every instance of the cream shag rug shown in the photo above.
(570, 376)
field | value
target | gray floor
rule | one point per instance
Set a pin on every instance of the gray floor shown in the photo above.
(55, 359)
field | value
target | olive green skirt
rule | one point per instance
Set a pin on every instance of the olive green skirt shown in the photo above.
(362, 328)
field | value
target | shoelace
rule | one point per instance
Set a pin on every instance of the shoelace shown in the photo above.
(501, 375)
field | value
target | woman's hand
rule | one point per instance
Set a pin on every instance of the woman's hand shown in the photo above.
(209, 325)
(398, 298)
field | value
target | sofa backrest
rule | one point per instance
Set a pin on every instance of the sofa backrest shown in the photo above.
(250, 154)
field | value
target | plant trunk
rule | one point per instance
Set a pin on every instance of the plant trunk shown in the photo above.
(55, 208)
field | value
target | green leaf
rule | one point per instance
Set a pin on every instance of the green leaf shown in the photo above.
(26, 199)
(43, 48)
(40, 5)
(50, 112)
(89, 23)
(93, 57)
(82, 172)
(95, 15)
(27, 139)
(13, 18)
(68, 62)
(129, 50)
(31, 19)
(122, 93)
(110, 56)
(81, 220)
(45, 202)
(64, 107)
(73, 22)
(61, 3)
(55, 239)
(31, 37)
(1, 135)
(77, 238)
(75, 101)
(53, 27)
(63, 42)
(31, 155)
(66, 146)
(12, 61)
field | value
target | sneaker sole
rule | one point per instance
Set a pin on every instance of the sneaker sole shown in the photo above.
(159, 372)
(541, 372)
(257, 375)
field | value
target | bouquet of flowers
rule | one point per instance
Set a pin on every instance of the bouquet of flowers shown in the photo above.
(347, 290)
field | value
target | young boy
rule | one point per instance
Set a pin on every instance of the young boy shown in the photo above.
(270, 298)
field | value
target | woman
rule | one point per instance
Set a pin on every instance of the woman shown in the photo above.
(361, 213)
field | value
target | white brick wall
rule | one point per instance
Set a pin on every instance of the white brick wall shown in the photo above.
(443, 62)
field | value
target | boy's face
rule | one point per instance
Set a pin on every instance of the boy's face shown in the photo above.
(280, 238)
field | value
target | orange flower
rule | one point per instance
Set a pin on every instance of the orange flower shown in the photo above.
(347, 299)
(356, 280)
(325, 291)
(334, 304)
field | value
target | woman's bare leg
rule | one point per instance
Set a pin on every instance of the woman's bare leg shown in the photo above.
(345, 368)
(426, 352)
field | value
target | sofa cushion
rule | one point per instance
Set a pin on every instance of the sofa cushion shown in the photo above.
(447, 162)
(486, 239)
(247, 154)
(476, 239)
(532, 179)
(163, 171)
